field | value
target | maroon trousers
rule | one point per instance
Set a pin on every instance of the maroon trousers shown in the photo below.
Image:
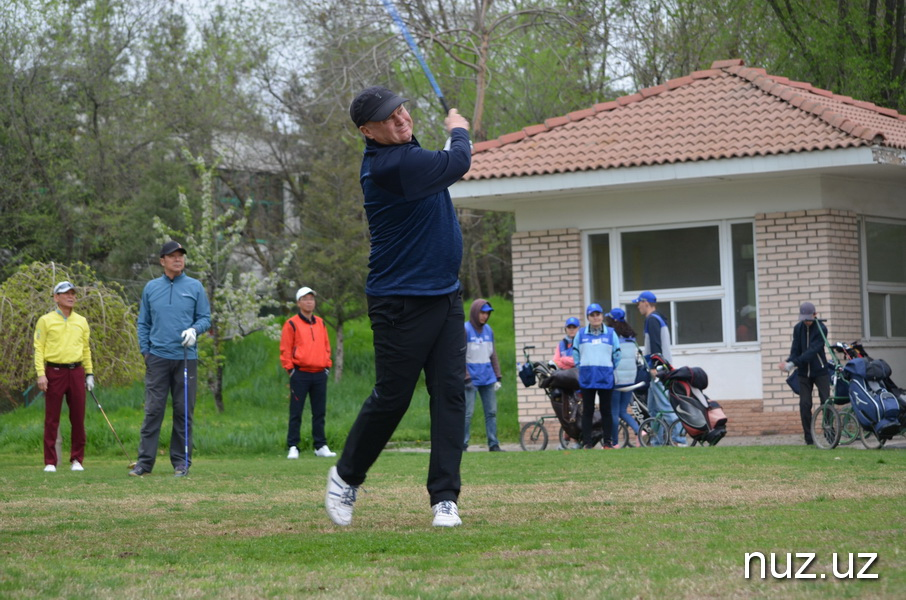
(71, 383)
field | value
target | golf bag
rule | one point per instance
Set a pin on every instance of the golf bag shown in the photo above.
(875, 407)
(703, 419)
(562, 388)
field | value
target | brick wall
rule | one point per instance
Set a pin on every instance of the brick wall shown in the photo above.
(801, 255)
(547, 288)
(804, 255)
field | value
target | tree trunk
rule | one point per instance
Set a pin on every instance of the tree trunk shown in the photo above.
(215, 379)
(338, 355)
(488, 275)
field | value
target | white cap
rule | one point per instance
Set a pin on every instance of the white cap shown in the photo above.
(304, 291)
(63, 286)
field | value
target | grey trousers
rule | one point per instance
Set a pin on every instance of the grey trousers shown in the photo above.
(163, 377)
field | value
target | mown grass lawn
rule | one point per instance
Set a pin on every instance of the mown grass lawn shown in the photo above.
(635, 523)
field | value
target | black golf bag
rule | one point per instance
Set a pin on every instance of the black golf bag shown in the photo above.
(875, 406)
(703, 419)
(562, 387)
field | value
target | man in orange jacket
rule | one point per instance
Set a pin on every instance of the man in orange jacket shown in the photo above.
(305, 354)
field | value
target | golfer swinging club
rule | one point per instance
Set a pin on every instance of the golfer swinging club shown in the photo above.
(414, 299)
(174, 310)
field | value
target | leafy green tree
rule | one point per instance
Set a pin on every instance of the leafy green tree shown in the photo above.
(854, 47)
(27, 295)
(213, 232)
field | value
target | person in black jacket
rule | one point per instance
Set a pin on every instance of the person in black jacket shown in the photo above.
(807, 355)
(414, 299)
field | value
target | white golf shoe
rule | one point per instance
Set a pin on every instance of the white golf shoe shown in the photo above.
(77, 466)
(50, 469)
(446, 514)
(293, 452)
(325, 452)
(340, 498)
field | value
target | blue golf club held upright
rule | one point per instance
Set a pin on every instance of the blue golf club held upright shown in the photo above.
(388, 4)
(185, 393)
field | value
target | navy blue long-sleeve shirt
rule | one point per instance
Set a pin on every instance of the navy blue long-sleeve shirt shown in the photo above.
(416, 242)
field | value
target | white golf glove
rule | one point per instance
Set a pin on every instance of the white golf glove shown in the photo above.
(497, 385)
(188, 337)
(89, 382)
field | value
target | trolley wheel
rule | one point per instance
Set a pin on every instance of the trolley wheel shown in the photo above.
(676, 430)
(870, 440)
(826, 427)
(649, 430)
(623, 434)
(849, 427)
(562, 437)
(533, 436)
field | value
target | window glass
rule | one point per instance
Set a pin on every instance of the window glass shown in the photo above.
(898, 315)
(599, 246)
(671, 258)
(744, 291)
(886, 252)
(698, 322)
(877, 315)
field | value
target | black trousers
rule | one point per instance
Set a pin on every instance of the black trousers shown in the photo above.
(411, 334)
(313, 385)
(165, 377)
(588, 415)
(822, 382)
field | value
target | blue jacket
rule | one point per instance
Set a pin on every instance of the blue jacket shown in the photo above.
(168, 308)
(416, 243)
(597, 355)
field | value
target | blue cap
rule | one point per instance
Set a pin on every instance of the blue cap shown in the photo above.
(617, 314)
(593, 307)
(647, 297)
(487, 307)
(572, 321)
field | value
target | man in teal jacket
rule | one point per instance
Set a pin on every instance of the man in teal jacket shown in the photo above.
(174, 310)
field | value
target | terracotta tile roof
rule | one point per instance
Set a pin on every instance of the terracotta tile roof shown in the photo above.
(727, 111)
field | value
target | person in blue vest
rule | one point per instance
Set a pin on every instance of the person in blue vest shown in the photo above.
(657, 341)
(563, 356)
(482, 371)
(597, 354)
(625, 373)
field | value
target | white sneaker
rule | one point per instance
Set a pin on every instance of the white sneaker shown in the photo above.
(325, 452)
(50, 469)
(77, 466)
(340, 498)
(293, 452)
(446, 514)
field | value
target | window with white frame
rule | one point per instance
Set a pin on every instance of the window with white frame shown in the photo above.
(885, 273)
(703, 275)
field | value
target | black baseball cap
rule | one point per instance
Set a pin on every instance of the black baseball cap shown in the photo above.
(374, 103)
(171, 247)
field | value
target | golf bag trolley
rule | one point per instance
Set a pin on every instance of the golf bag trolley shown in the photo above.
(700, 417)
(562, 389)
(865, 404)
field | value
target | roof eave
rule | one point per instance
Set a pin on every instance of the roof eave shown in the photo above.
(502, 194)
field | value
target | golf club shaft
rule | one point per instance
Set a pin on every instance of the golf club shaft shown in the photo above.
(388, 4)
(185, 388)
(109, 424)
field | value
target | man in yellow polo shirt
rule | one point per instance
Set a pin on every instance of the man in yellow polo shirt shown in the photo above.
(63, 364)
